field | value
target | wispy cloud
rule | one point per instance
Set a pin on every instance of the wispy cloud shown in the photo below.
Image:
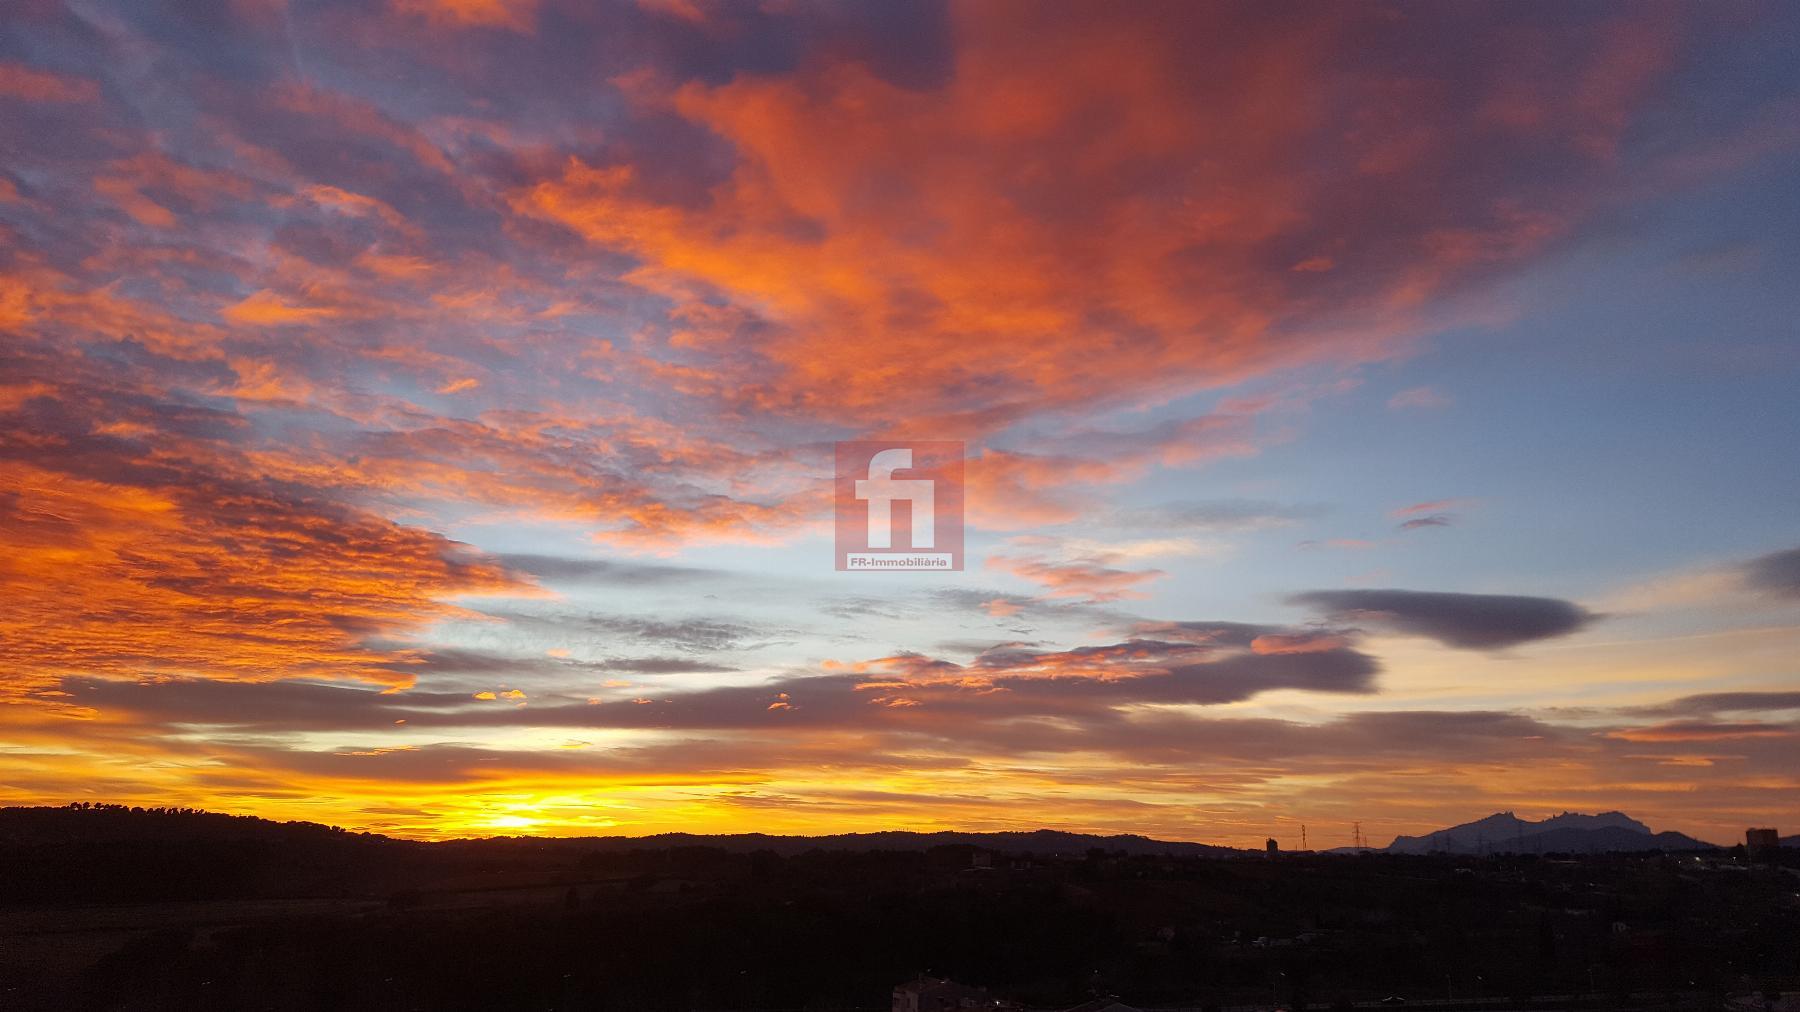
(1432, 513)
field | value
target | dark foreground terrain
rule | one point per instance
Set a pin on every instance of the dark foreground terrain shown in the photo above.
(111, 908)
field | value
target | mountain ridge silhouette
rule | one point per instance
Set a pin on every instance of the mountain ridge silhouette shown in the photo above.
(1569, 832)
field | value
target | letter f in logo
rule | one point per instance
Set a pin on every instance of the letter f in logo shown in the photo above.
(881, 488)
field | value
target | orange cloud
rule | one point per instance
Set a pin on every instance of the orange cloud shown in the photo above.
(1086, 580)
(265, 308)
(1701, 730)
(516, 15)
(1298, 643)
(1000, 607)
(32, 85)
(183, 560)
(991, 246)
(1433, 506)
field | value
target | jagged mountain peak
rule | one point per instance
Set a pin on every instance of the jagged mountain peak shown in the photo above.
(1578, 820)
(1505, 831)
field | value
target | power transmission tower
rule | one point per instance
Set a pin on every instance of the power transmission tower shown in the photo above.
(1303, 845)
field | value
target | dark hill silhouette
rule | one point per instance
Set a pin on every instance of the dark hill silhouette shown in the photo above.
(101, 822)
(97, 852)
(92, 853)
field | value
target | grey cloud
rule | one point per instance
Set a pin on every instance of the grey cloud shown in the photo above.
(972, 600)
(973, 646)
(1357, 737)
(294, 705)
(1468, 621)
(702, 760)
(662, 666)
(513, 666)
(1775, 573)
(457, 661)
(1708, 703)
(858, 607)
(1236, 634)
(698, 635)
(1432, 520)
(917, 692)
(571, 570)
(712, 733)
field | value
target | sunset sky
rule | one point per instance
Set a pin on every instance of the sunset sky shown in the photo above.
(419, 416)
